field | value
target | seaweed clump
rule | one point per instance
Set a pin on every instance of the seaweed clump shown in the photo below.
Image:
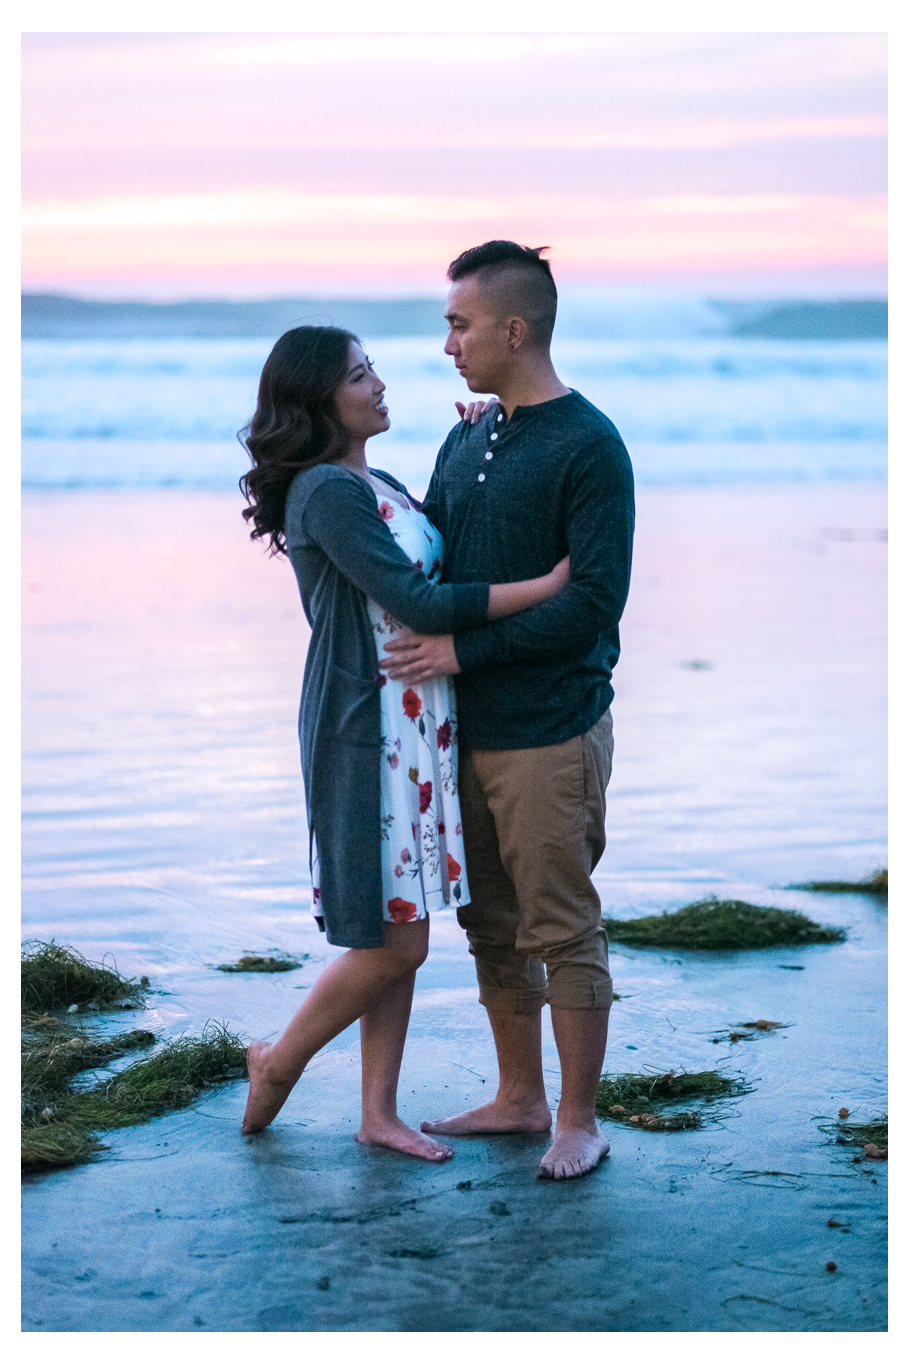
(872, 1137)
(170, 1079)
(714, 923)
(60, 1123)
(49, 1064)
(645, 1101)
(876, 884)
(57, 977)
(263, 964)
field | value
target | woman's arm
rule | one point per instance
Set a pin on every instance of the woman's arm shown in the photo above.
(508, 598)
(341, 517)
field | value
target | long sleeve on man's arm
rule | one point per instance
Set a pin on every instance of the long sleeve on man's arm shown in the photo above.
(599, 519)
(341, 517)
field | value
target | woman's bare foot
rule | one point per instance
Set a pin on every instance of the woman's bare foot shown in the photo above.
(266, 1095)
(496, 1117)
(574, 1151)
(397, 1135)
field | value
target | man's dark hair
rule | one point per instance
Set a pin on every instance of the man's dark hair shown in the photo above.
(520, 276)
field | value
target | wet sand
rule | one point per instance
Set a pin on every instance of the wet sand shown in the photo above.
(165, 824)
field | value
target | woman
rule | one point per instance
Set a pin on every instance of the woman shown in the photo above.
(379, 759)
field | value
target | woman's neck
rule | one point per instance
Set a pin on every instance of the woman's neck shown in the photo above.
(356, 459)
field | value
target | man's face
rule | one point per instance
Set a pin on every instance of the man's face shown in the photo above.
(478, 339)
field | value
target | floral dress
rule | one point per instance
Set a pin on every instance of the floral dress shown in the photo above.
(420, 820)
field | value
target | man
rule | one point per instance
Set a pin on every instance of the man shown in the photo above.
(543, 473)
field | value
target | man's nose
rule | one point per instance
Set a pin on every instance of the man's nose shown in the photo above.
(449, 348)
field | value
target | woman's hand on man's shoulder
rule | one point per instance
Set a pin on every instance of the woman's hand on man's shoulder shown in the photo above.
(474, 411)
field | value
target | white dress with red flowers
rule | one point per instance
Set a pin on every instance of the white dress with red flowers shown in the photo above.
(423, 863)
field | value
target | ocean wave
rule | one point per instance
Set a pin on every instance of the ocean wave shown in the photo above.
(725, 389)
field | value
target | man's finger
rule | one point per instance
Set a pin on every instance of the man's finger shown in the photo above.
(401, 661)
(399, 645)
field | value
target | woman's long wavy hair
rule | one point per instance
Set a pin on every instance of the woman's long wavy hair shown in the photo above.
(295, 425)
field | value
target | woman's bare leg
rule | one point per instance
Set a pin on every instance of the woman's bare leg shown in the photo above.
(383, 1029)
(347, 988)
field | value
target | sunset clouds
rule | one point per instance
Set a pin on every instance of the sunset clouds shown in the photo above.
(275, 163)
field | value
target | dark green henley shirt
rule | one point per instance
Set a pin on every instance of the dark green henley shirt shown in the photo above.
(511, 498)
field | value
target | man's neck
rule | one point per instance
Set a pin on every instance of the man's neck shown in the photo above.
(532, 382)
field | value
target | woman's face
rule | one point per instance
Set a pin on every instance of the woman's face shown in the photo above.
(358, 399)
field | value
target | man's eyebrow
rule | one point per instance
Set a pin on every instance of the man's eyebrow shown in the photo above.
(453, 316)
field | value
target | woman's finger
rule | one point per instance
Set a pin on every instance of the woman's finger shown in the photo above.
(460, 407)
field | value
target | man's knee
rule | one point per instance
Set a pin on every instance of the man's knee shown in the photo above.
(578, 973)
(507, 980)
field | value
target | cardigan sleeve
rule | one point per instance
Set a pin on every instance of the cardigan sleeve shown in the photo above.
(341, 517)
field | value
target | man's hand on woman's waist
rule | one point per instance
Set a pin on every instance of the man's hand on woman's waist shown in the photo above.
(418, 658)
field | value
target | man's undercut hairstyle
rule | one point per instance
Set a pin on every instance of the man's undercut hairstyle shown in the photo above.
(519, 277)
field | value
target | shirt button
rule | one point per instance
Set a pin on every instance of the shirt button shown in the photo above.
(499, 418)
(481, 477)
(495, 436)
(489, 455)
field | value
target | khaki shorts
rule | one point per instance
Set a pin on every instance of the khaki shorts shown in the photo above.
(533, 822)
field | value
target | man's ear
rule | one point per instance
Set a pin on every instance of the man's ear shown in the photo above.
(519, 332)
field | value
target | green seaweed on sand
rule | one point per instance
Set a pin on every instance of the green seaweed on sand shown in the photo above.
(876, 884)
(644, 1100)
(871, 1136)
(51, 1061)
(60, 1123)
(55, 977)
(263, 964)
(714, 923)
(51, 1146)
(170, 1079)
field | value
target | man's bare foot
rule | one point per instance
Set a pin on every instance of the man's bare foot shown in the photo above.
(266, 1096)
(397, 1135)
(574, 1151)
(496, 1117)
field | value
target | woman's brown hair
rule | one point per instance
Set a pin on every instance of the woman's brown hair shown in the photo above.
(295, 425)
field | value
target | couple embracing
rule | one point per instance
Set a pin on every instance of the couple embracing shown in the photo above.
(455, 722)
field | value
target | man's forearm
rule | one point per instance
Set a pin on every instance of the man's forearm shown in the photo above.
(576, 617)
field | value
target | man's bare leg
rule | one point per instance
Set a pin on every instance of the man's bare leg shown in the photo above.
(578, 1145)
(347, 988)
(520, 1105)
(383, 1029)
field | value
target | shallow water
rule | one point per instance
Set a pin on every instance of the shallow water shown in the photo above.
(165, 824)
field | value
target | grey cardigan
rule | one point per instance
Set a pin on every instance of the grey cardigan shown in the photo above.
(343, 553)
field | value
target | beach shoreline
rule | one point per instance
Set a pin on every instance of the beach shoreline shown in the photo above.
(165, 824)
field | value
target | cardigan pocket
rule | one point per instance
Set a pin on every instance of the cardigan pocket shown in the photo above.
(352, 709)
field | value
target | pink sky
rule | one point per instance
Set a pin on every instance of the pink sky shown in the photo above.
(173, 164)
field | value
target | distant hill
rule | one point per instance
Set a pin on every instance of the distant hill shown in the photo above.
(598, 315)
(56, 315)
(837, 320)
